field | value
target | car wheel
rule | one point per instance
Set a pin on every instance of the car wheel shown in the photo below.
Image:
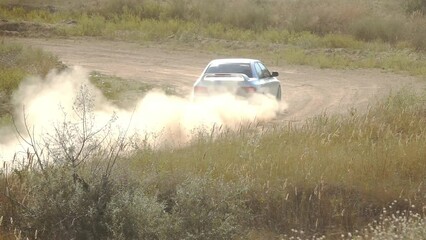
(278, 96)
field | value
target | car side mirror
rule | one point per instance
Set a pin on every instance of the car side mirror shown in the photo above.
(275, 74)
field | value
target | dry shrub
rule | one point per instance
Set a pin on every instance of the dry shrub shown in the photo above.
(239, 19)
(313, 209)
(387, 29)
(247, 14)
(206, 208)
(416, 6)
(321, 17)
(62, 186)
(68, 186)
(417, 36)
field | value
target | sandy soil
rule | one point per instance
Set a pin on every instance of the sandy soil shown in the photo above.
(308, 91)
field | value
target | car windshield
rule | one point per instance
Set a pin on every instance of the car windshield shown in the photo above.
(243, 68)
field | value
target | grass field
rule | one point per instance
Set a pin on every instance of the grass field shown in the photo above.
(333, 175)
(381, 34)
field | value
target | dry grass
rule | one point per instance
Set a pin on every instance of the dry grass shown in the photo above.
(332, 173)
(386, 21)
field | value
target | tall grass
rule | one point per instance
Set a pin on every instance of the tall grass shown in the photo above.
(383, 20)
(333, 172)
(372, 35)
(331, 176)
(393, 60)
(317, 17)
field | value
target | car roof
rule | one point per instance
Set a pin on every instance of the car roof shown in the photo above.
(233, 60)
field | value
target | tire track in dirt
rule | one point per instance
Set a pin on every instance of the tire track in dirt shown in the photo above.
(307, 90)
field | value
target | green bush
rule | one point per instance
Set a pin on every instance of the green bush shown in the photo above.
(135, 215)
(10, 79)
(26, 59)
(16, 63)
(204, 208)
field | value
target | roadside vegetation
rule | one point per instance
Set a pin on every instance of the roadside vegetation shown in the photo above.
(357, 175)
(330, 34)
(16, 63)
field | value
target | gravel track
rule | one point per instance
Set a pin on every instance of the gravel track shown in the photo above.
(308, 91)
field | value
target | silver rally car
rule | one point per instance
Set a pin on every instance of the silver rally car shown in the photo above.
(239, 76)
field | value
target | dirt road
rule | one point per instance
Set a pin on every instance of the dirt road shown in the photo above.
(308, 91)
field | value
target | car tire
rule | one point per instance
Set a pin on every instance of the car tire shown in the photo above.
(278, 96)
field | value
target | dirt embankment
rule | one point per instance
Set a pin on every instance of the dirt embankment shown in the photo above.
(307, 91)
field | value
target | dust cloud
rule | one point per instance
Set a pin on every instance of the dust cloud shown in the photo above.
(159, 119)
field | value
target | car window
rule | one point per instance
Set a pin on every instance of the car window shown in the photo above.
(265, 71)
(243, 68)
(258, 70)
